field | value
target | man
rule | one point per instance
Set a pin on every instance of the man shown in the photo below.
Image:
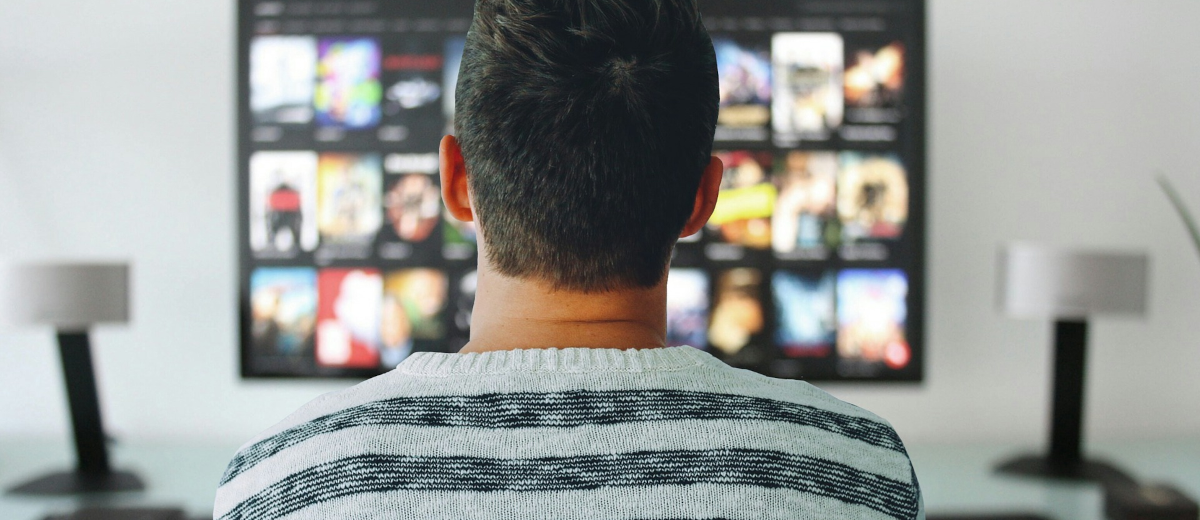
(584, 129)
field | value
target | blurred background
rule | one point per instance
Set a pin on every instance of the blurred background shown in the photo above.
(1047, 121)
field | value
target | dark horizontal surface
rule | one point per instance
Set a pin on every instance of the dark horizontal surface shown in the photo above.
(989, 517)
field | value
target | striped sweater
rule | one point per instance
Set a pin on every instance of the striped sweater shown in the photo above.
(573, 434)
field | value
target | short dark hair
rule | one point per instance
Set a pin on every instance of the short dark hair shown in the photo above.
(585, 127)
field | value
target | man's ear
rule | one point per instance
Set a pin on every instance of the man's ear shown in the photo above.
(454, 180)
(706, 197)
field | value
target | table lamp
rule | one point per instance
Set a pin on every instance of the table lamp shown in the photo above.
(1069, 287)
(72, 297)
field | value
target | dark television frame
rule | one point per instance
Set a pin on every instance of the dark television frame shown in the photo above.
(915, 156)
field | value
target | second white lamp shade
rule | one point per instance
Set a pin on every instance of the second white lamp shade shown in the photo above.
(1038, 281)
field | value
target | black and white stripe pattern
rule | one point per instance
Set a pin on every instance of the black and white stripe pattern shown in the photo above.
(382, 473)
(565, 409)
(574, 434)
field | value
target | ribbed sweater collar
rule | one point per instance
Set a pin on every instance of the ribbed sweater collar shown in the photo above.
(567, 360)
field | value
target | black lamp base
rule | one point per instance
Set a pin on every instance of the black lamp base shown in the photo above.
(1040, 466)
(74, 482)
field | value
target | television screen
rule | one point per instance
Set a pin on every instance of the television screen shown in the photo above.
(811, 267)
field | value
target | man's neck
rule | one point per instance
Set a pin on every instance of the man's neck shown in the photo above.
(515, 313)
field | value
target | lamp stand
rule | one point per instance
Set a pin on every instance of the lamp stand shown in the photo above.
(1065, 460)
(92, 473)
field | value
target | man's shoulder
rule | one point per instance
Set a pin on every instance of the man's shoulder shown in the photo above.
(821, 417)
(822, 431)
(351, 398)
(788, 394)
(273, 453)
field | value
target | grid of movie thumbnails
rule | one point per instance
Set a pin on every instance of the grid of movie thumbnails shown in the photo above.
(351, 262)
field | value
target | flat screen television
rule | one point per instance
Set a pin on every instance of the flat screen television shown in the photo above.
(811, 267)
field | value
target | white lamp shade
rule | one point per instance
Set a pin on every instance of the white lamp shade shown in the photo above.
(1037, 281)
(69, 296)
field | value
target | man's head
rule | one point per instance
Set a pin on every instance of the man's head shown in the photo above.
(586, 128)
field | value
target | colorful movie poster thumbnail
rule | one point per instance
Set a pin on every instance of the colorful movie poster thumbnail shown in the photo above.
(411, 312)
(872, 313)
(687, 308)
(806, 211)
(283, 310)
(872, 196)
(348, 313)
(349, 197)
(742, 215)
(806, 324)
(413, 91)
(807, 99)
(348, 91)
(412, 206)
(737, 314)
(453, 53)
(875, 76)
(283, 203)
(745, 90)
(283, 73)
(417, 82)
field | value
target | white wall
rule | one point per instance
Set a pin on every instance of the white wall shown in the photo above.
(1047, 121)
